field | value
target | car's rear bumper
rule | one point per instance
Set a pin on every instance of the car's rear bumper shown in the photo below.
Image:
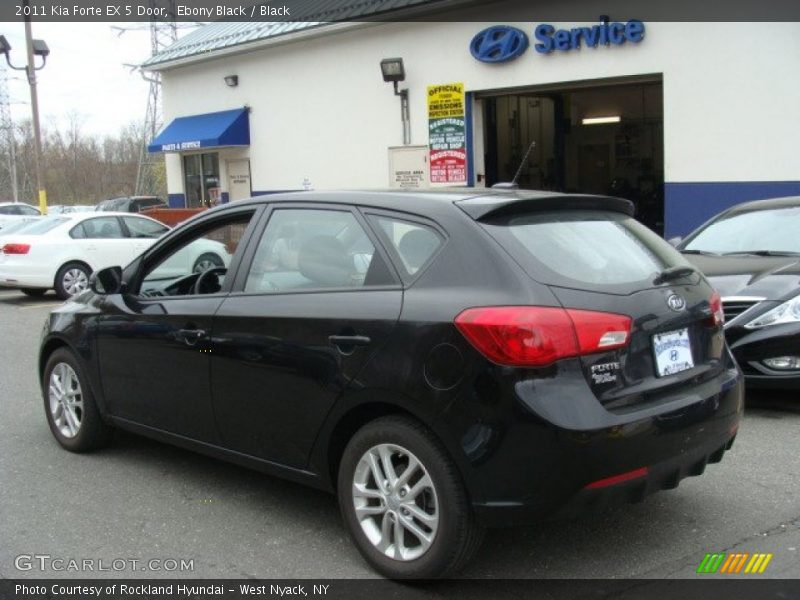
(541, 468)
(632, 486)
(24, 275)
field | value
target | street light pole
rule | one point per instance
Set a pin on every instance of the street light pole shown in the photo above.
(34, 48)
(37, 135)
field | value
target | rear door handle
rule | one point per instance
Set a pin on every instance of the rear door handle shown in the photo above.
(190, 336)
(344, 342)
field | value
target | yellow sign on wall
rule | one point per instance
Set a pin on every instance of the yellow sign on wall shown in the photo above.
(447, 133)
(446, 100)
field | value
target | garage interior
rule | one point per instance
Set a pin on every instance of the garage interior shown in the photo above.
(593, 137)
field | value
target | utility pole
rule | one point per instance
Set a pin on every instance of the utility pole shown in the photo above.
(34, 48)
(37, 133)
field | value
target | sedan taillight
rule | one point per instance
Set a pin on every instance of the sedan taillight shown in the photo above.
(16, 248)
(536, 336)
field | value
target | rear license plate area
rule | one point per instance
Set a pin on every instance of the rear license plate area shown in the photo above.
(673, 352)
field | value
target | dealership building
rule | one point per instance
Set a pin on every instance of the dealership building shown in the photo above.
(683, 118)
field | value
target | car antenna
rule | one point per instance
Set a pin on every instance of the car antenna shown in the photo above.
(513, 185)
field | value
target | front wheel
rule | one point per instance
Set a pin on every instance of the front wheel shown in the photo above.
(70, 407)
(403, 501)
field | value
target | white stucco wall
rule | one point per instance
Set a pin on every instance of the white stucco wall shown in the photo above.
(321, 111)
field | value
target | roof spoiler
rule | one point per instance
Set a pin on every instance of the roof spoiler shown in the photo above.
(491, 205)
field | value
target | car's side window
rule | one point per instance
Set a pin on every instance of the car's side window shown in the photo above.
(144, 228)
(28, 210)
(7, 210)
(198, 264)
(77, 232)
(414, 242)
(103, 228)
(303, 249)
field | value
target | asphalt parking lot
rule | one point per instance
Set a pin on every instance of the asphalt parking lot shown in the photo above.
(144, 500)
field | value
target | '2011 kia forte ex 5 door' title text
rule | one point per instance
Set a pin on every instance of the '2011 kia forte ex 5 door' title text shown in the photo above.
(443, 361)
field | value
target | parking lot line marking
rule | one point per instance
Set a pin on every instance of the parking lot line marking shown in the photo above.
(40, 305)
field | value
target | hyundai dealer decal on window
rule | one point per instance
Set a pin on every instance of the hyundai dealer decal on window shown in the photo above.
(502, 43)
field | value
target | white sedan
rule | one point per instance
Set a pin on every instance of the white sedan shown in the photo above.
(60, 252)
(10, 212)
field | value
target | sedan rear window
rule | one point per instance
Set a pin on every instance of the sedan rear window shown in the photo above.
(585, 249)
(42, 225)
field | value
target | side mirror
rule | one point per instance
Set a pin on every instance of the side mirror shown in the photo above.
(106, 281)
(674, 241)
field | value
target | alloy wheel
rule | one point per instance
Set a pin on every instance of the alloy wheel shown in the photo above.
(66, 400)
(395, 502)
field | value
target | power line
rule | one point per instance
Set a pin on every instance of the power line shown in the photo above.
(163, 33)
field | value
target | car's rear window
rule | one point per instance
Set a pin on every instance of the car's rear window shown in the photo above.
(585, 249)
(42, 225)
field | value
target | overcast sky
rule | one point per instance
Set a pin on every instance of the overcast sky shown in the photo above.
(84, 74)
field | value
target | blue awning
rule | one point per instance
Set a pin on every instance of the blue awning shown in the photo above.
(211, 130)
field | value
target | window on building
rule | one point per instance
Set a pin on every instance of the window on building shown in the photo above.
(201, 179)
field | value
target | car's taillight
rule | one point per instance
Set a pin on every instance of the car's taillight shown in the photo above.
(535, 336)
(16, 248)
(717, 318)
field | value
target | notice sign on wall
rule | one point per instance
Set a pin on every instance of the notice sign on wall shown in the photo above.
(447, 133)
(408, 167)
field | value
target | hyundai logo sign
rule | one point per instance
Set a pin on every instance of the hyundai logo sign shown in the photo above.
(502, 43)
(498, 44)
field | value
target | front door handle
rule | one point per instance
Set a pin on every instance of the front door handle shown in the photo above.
(347, 343)
(190, 336)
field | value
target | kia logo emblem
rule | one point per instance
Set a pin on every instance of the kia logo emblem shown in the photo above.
(498, 44)
(676, 303)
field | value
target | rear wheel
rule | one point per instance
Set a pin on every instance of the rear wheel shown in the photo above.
(33, 292)
(70, 407)
(404, 503)
(71, 279)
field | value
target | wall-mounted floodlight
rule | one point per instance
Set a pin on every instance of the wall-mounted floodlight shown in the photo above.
(231, 80)
(393, 71)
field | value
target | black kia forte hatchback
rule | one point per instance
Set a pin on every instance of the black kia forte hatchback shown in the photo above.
(441, 361)
(751, 254)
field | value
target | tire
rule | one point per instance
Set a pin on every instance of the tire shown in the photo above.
(80, 429)
(206, 261)
(453, 536)
(71, 279)
(33, 292)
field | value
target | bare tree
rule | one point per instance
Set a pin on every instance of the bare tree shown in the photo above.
(79, 168)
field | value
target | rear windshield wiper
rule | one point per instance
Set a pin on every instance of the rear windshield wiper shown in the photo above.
(703, 252)
(673, 273)
(763, 253)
